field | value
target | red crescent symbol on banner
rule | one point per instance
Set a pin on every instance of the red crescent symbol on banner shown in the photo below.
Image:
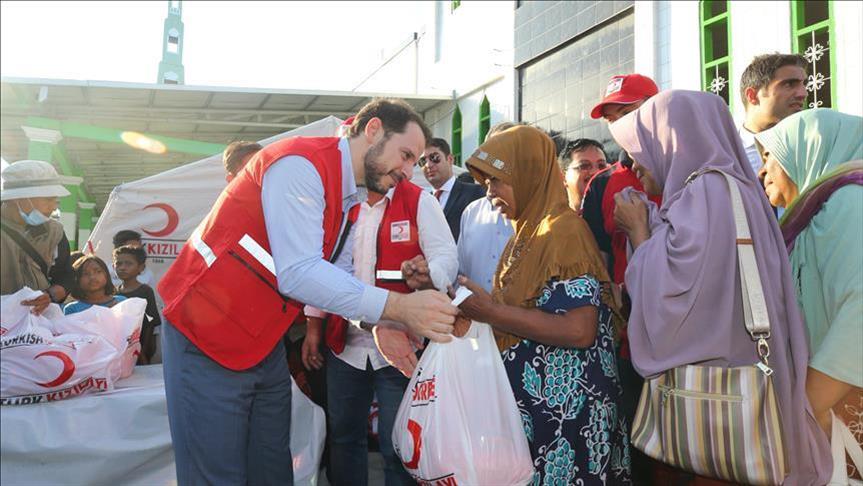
(173, 220)
(400, 229)
(68, 368)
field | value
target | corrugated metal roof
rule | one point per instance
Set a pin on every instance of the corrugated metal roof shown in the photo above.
(202, 113)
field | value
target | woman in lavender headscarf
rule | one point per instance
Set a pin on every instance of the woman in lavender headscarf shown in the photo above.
(682, 278)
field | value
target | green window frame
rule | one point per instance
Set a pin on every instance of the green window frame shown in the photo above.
(456, 135)
(716, 75)
(484, 119)
(813, 35)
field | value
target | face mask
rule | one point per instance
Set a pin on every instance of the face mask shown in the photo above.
(34, 217)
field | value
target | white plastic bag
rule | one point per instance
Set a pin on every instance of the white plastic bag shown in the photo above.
(308, 434)
(458, 423)
(842, 442)
(51, 357)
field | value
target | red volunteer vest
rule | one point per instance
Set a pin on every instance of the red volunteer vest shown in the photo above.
(221, 292)
(398, 240)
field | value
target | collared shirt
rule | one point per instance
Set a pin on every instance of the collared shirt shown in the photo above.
(754, 157)
(446, 189)
(437, 245)
(292, 195)
(484, 234)
(752, 154)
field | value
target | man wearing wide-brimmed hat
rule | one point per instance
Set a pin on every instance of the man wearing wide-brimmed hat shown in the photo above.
(34, 251)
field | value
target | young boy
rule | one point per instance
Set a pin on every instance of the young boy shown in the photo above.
(129, 262)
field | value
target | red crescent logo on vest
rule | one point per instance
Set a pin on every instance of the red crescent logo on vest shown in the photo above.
(173, 220)
(68, 368)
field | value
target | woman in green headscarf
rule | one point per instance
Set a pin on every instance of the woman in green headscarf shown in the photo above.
(813, 168)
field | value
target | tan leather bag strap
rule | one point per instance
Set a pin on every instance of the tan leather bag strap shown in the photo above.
(755, 315)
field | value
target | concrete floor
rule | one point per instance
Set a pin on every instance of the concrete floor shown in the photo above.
(376, 471)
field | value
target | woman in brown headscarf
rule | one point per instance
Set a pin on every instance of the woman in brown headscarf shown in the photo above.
(552, 315)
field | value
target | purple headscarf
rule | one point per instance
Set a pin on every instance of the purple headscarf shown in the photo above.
(686, 302)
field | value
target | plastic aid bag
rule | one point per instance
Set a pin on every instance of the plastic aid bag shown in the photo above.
(308, 434)
(53, 357)
(458, 423)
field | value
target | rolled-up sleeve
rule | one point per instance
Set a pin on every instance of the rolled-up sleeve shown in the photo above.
(292, 195)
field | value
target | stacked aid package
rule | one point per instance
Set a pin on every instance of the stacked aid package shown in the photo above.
(458, 423)
(52, 357)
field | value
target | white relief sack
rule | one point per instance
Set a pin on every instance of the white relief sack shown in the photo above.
(458, 423)
(51, 357)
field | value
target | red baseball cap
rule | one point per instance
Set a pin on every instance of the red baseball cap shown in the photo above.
(625, 90)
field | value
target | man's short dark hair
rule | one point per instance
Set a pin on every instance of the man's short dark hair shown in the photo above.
(125, 236)
(565, 156)
(761, 71)
(236, 152)
(137, 252)
(394, 113)
(439, 144)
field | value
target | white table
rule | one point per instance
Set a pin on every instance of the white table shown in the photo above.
(121, 437)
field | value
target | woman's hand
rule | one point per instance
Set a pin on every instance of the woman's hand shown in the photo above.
(39, 304)
(479, 306)
(631, 217)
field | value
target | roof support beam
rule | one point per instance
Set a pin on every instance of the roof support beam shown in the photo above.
(102, 134)
(15, 108)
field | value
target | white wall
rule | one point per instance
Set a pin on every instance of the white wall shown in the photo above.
(848, 18)
(646, 36)
(667, 44)
(756, 28)
(467, 53)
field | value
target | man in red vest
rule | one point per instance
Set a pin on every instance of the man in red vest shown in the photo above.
(277, 236)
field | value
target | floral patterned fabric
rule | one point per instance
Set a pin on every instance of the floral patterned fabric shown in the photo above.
(568, 398)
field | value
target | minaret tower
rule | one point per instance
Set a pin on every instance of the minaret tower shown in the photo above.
(171, 67)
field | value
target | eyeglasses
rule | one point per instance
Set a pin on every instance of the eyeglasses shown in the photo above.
(587, 167)
(434, 158)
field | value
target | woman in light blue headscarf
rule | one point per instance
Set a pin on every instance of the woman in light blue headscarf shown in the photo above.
(814, 169)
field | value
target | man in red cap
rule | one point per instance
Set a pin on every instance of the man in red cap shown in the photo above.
(624, 94)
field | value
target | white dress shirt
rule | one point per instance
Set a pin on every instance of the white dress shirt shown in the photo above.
(752, 154)
(483, 236)
(292, 195)
(437, 245)
(446, 189)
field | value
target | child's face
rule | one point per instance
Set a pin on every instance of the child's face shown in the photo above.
(93, 278)
(127, 267)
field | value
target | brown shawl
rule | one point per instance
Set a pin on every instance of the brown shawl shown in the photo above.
(551, 241)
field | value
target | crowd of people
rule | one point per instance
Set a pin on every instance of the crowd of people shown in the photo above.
(686, 311)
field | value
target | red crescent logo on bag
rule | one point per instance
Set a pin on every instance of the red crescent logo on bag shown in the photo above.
(68, 368)
(173, 220)
(415, 429)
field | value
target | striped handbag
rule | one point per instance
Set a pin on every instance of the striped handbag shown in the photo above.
(719, 422)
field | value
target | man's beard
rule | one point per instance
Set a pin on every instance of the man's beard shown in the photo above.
(374, 168)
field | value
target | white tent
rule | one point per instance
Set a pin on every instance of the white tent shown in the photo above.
(165, 208)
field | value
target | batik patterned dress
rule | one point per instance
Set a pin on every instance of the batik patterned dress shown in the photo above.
(568, 398)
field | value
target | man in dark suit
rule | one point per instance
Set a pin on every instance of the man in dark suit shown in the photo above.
(454, 195)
